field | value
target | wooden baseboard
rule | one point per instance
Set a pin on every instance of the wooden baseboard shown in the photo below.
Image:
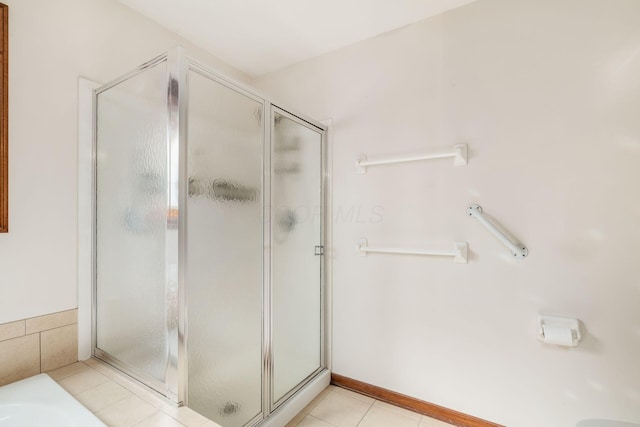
(425, 408)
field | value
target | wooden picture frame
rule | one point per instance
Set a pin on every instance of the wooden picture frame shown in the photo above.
(4, 118)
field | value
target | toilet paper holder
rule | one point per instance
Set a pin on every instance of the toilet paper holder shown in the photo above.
(558, 330)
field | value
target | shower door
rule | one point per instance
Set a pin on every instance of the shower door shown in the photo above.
(297, 249)
(136, 238)
(224, 276)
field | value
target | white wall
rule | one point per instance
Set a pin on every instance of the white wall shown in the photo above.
(51, 45)
(546, 94)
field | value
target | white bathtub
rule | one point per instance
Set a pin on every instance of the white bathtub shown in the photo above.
(40, 402)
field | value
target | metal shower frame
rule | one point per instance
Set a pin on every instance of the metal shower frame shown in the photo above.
(175, 385)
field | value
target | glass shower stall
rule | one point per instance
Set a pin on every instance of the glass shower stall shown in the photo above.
(209, 234)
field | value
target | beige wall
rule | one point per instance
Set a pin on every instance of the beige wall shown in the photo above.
(546, 94)
(51, 45)
(39, 344)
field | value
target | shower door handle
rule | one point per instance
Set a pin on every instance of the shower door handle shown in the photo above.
(319, 250)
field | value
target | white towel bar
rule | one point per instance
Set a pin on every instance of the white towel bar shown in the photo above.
(517, 249)
(459, 252)
(459, 155)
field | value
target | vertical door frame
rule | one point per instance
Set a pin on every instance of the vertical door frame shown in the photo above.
(177, 101)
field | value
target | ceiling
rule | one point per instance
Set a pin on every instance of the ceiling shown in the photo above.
(260, 36)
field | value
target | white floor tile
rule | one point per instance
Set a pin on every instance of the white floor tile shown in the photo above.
(98, 398)
(159, 420)
(127, 412)
(82, 381)
(144, 393)
(101, 367)
(186, 416)
(432, 422)
(310, 421)
(342, 409)
(296, 420)
(350, 393)
(67, 371)
(316, 401)
(133, 386)
(379, 416)
(407, 413)
(121, 402)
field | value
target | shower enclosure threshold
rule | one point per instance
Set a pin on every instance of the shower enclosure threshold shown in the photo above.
(298, 401)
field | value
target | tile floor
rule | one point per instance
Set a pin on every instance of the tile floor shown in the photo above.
(121, 402)
(337, 407)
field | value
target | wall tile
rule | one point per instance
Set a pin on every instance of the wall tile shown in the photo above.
(19, 358)
(12, 330)
(51, 321)
(59, 347)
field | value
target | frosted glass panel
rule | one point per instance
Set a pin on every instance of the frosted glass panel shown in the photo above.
(296, 228)
(224, 247)
(135, 255)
